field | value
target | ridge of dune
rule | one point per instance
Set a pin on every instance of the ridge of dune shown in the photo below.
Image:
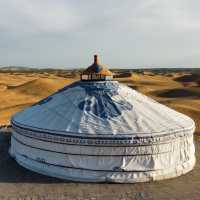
(23, 91)
(38, 87)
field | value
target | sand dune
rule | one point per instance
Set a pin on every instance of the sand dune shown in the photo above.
(19, 91)
(38, 87)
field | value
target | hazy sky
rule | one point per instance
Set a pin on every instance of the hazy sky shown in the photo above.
(129, 33)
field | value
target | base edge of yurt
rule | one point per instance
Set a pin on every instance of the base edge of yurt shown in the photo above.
(77, 175)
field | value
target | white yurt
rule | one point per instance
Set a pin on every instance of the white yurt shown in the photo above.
(99, 130)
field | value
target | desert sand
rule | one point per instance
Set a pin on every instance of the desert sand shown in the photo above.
(180, 91)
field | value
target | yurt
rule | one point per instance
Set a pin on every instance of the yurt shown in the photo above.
(98, 130)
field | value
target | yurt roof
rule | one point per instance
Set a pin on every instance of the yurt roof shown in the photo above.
(96, 68)
(101, 108)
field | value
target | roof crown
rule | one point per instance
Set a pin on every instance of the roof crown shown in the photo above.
(96, 71)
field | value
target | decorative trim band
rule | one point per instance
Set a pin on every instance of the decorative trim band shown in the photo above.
(96, 141)
(89, 155)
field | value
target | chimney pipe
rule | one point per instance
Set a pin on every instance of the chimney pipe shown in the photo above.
(96, 59)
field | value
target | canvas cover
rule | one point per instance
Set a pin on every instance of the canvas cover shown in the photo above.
(102, 108)
(103, 131)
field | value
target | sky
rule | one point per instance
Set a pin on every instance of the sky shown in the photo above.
(125, 34)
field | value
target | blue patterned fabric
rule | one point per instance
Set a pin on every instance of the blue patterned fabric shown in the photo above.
(102, 104)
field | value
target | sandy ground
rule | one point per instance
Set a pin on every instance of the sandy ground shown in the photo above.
(180, 91)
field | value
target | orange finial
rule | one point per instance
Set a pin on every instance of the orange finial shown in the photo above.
(95, 59)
